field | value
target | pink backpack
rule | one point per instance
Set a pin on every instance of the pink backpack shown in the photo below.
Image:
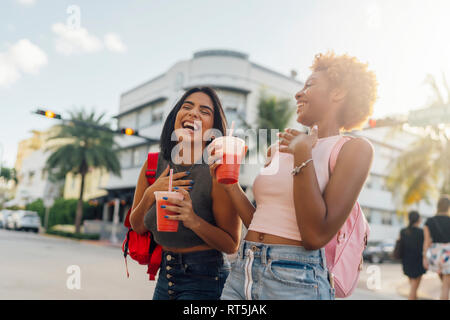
(344, 253)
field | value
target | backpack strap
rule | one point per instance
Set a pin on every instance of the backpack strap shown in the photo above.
(150, 174)
(335, 153)
(152, 164)
(155, 262)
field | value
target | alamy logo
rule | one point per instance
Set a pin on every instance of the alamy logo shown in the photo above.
(74, 280)
(74, 18)
(194, 140)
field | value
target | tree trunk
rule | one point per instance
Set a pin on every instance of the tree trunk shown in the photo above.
(79, 214)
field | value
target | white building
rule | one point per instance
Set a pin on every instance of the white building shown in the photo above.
(34, 182)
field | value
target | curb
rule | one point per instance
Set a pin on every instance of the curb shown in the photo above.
(102, 243)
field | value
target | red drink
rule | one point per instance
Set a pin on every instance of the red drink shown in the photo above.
(228, 171)
(164, 224)
(232, 151)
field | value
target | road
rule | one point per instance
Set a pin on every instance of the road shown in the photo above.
(36, 266)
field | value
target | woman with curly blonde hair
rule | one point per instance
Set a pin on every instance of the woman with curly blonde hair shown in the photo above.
(301, 207)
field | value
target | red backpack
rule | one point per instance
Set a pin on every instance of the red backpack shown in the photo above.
(143, 248)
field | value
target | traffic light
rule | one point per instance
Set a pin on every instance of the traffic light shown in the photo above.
(385, 122)
(49, 114)
(129, 132)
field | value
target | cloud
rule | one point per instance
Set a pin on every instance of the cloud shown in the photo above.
(26, 2)
(78, 40)
(75, 40)
(22, 57)
(114, 43)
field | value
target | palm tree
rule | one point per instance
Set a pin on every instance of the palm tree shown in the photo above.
(8, 174)
(423, 171)
(86, 147)
(272, 113)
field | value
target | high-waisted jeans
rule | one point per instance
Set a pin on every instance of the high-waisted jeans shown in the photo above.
(197, 275)
(278, 272)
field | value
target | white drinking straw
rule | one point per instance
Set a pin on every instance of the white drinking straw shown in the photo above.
(230, 132)
(170, 180)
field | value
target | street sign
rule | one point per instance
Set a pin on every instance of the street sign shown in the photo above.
(430, 116)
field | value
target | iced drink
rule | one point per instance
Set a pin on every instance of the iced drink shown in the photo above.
(164, 224)
(232, 151)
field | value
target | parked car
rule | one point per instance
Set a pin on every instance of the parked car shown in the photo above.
(4, 214)
(10, 221)
(379, 251)
(24, 220)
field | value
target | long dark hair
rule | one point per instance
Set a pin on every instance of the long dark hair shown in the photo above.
(220, 121)
(413, 217)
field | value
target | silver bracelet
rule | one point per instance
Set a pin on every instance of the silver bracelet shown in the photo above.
(296, 170)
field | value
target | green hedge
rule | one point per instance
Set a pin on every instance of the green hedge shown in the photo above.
(79, 236)
(63, 211)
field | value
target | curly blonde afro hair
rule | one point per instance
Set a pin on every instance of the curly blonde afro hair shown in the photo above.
(349, 73)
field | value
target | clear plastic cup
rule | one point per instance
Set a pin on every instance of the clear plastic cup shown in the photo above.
(164, 224)
(231, 149)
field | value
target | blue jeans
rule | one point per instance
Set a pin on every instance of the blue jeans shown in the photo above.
(278, 272)
(197, 275)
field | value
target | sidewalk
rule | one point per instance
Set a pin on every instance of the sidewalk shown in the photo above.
(429, 289)
(387, 279)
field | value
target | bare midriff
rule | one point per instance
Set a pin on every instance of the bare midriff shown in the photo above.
(266, 238)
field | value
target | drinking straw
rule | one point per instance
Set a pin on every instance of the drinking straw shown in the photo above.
(230, 133)
(170, 180)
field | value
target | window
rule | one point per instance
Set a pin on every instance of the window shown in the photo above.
(128, 121)
(72, 177)
(30, 176)
(125, 157)
(386, 218)
(179, 80)
(145, 118)
(233, 105)
(157, 116)
(139, 156)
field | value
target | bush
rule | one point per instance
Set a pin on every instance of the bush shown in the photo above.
(62, 212)
(79, 236)
(37, 206)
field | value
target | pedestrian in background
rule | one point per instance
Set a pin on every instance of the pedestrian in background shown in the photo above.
(436, 247)
(411, 245)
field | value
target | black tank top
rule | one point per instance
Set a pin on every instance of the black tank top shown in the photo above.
(201, 203)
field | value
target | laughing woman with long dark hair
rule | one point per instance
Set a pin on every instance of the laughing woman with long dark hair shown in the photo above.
(194, 264)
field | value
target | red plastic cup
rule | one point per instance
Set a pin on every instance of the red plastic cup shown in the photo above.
(232, 150)
(164, 224)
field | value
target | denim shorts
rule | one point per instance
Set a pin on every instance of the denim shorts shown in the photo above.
(196, 275)
(278, 272)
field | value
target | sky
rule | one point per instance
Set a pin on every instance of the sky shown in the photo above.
(63, 54)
